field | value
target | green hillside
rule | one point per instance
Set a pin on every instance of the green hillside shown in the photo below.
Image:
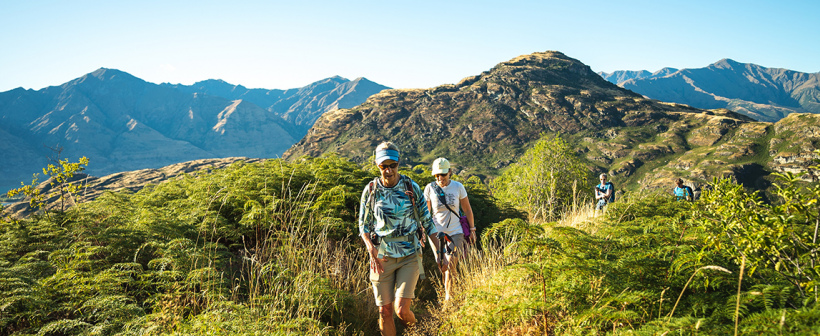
(271, 248)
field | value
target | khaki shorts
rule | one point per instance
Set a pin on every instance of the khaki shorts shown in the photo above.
(458, 245)
(398, 279)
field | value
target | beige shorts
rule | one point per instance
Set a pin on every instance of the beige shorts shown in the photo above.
(458, 245)
(398, 279)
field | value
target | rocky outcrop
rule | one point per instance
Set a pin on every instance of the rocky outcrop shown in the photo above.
(794, 144)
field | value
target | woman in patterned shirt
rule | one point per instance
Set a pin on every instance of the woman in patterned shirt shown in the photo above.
(392, 213)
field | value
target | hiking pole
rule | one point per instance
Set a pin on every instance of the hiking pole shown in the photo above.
(443, 238)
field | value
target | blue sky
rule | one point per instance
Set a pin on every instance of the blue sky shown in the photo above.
(401, 44)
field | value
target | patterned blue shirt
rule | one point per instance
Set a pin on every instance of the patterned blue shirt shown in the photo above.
(682, 194)
(605, 187)
(391, 215)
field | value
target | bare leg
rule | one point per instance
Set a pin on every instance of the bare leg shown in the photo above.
(449, 275)
(405, 314)
(386, 325)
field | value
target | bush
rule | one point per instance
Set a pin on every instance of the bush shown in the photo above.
(546, 181)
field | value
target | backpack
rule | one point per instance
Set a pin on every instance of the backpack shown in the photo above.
(690, 196)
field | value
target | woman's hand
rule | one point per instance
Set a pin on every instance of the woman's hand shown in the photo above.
(375, 263)
(472, 235)
(373, 252)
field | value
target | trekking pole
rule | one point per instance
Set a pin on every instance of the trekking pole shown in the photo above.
(443, 239)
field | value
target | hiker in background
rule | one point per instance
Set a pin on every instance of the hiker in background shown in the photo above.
(446, 199)
(392, 223)
(683, 192)
(604, 192)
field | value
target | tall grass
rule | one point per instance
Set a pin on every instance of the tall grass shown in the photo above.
(477, 276)
(288, 277)
(543, 278)
(582, 218)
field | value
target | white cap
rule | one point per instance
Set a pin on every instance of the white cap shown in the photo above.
(441, 166)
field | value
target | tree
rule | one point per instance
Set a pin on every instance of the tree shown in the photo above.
(59, 181)
(545, 181)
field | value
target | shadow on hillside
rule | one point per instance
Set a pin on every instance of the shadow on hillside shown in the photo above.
(754, 176)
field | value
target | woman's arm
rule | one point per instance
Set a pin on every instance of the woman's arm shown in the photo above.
(373, 251)
(366, 220)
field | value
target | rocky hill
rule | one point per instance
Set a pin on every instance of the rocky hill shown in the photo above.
(129, 180)
(122, 123)
(486, 121)
(765, 94)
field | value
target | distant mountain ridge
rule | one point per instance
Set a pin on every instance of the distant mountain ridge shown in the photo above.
(765, 94)
(300, 106)
(621, 76)
(124, 123)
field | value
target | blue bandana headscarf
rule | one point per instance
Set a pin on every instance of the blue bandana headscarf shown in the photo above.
(386, 154)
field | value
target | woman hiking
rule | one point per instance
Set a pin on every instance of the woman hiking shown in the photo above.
(445, 198)
(392, 223)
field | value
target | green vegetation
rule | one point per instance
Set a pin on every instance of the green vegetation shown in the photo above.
(649, 266)
(253, 248)
(546, 180)
(271, 248)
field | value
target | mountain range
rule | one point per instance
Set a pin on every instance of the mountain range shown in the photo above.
(765, 94)
(482, 124)
(122, 123)
(301, 106)
(485, 122)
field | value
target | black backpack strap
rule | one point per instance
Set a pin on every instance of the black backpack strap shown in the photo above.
(371, 189)
(442, 198)
(439, 192)
(419, 236)
(408, 186)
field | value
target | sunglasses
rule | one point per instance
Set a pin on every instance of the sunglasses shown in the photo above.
(441, 175)
(389, 166)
